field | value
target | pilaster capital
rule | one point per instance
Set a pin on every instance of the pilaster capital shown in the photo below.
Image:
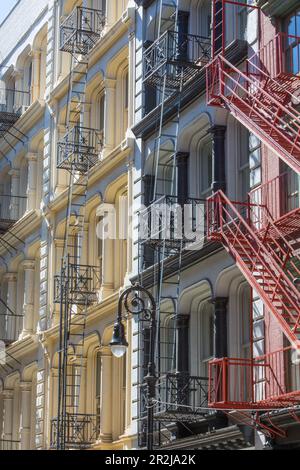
(181, 158)
(220, 303)
(7, 394)
(32, 157)
(110, 83)
(59, 243)
(106, 351)
(10, 277)
(217, 130)
(28, 264)
(14, 173)
(25, 386)
(182, 320)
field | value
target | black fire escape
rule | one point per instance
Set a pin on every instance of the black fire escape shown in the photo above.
(170, 63)
(77, 285)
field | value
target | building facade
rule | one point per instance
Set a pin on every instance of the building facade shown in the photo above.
(150, 141)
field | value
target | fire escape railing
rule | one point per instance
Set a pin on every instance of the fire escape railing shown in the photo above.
(81, 30)
(268, 381)
(79, 149)
(181, 395)
(173, 221)
(174, 49)
(180, 398)
(81, 430)
(82, 282)
(13, 103)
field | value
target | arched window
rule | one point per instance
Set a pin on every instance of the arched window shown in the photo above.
(292, 28)
(98, 389)
(126, 99)
(100, 116)
(206, 335)
(204, 170)
(245, 303)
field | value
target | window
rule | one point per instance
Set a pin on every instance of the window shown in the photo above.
(206, 170)
(99, 253)
(293, 45)
(126, 99)
(245, 309)
(98, 389)
(254, 160)
(206, 335)
(101, 113)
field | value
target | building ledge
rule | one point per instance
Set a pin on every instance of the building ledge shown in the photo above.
(102, 168)
(277, 7)
(24, 227)
(25, 123)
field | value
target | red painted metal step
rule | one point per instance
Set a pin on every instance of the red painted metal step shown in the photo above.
(269, 266)
(264, 105)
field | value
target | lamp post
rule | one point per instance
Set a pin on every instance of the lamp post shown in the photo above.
(134, 304)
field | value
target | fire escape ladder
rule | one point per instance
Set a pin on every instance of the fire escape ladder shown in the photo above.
(77, 285)
(265, 257)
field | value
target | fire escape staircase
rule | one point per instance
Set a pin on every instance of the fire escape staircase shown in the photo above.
(77, 285)
(263, 98)
(262, 251)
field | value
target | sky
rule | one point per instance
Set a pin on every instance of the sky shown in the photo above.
(5, 7)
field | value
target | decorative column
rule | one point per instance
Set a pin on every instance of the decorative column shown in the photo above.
(182, 159)
(110, 115)
(32, 180)
(220, 320)
(220, 346)
(219, 168)
(35, 87)
(8, 396)
(19, 96)
(148, 181)
(15, 186)
(107, 213)
(28, 305)
(11, 279)
(106, 395)
(25, 426)
(182, 342)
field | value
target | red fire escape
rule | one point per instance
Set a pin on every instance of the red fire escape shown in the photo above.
(260, 234)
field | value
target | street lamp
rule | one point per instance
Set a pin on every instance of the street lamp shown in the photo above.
(135, 304)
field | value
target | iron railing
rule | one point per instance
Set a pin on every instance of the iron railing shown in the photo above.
(268, 381)
(174, 222)
(7, 444)
(179, 396)
(13, 103)
(179, 52)
(80, 31)
(79, 149)
(81, 284)
(80, 430)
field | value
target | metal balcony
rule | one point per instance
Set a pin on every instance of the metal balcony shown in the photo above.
(6, 444)
(181, 397)
(171, 222)
(80, 283)
(81, 430)
(10, 211)
(81, 30)
(13, 104)
(268, 381)
(175, 54)
(79, 149)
